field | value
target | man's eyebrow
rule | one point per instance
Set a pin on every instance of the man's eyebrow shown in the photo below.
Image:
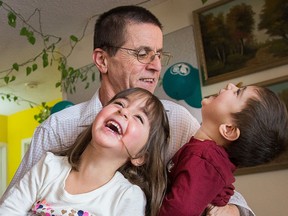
(149, 48)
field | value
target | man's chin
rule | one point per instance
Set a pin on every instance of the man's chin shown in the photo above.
(150, 87)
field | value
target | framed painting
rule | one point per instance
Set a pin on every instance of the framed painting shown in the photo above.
(238, 37)
(280, 87)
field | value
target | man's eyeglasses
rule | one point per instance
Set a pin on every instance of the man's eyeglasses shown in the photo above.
(146, 56)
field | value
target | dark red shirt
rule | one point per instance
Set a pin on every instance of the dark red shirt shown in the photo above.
(199, 173)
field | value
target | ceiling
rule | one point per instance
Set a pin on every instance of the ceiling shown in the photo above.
(58, 17)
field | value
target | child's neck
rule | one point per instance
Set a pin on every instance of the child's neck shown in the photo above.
(94, 172)
(202, 135)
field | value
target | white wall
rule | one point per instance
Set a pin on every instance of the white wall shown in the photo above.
(3, 167)
(266, 193)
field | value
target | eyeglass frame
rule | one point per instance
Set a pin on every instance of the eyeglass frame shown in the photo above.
(158, 53)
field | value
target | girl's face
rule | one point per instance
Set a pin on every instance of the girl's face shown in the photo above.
(230, 99)
(122, 122)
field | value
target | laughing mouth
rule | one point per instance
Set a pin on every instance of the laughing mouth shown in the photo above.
(114, 126)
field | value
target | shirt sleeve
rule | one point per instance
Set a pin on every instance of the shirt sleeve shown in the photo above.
(238, 200)
(23, 194)
(182, 126)
(195, 184)
(133, 202)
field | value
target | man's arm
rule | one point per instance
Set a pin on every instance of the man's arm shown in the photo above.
(237, 206)
(228, 210)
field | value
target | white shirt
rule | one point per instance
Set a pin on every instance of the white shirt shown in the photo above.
(42, 191)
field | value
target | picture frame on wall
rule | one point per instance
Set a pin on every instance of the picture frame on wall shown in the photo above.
(280, 87)
(234, 38)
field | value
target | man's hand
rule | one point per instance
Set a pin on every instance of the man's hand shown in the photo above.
(228, 210)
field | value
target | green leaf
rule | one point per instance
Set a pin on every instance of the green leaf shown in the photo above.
(12, 78)
(34, 67)
(45, 59)
(58, 84)
(87, 86)
(6, 79)
(73, 38)
(32, 39)
(15, 66)
(1, 2)
(12, 19)
(15, 98)
(24, 31)
(28, 70)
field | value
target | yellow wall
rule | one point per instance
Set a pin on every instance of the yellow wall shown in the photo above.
(3, 129)
(20, 126)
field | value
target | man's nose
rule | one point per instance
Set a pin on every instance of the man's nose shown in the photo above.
(155, 64)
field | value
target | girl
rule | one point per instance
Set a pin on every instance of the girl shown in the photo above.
(115, 167)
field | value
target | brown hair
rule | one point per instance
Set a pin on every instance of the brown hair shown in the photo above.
(263, 125)
(110, 27)
(151, 176)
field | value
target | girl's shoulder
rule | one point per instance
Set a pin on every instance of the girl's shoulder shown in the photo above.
(54, 162)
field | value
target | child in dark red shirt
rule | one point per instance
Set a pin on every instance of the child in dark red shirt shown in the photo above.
(240, 127)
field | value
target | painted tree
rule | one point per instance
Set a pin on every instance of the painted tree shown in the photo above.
(274, 18)
(214, 34)
(240, 23)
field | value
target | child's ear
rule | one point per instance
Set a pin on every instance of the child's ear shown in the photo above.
(138, 161)
(100, 60)
(229, 132)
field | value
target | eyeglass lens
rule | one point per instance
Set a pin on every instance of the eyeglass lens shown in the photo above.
(145, 56)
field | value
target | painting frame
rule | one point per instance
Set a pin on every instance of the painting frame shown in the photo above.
(216, 67)
(280, 162)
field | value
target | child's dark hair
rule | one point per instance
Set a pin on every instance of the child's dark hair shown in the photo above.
(151, 176)
(263, 125)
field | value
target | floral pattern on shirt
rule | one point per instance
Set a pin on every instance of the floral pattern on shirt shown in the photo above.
(42, 208)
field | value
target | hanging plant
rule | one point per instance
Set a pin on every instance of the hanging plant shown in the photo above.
(49, 55)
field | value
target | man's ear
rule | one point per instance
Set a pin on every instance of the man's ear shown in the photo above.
(99, 59)
(229, 132)
(138, 161)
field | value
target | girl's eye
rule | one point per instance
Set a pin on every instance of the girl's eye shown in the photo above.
(140, 118)
(119, 103)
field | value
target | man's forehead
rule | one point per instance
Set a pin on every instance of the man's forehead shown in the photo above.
(144, 35)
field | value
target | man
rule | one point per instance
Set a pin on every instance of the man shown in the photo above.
(128, 45)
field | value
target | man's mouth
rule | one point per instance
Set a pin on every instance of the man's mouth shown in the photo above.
(114, 126)
(150, 80)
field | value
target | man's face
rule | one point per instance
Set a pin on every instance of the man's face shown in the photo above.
(125, 71)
